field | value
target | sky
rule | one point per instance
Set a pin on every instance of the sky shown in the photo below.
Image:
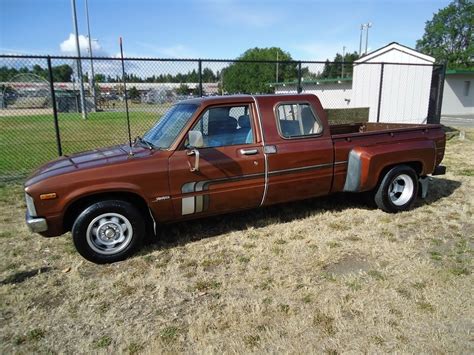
(308, 30)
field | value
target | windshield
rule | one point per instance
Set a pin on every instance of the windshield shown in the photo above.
(164, 133)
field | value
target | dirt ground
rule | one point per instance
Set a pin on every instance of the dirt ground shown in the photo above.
(325, 275)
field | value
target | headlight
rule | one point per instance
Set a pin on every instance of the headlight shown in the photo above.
(30, 205)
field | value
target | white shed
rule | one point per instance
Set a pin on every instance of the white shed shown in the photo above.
(394, 82)
(333, 93)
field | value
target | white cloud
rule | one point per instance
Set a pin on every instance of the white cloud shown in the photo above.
(69, 46)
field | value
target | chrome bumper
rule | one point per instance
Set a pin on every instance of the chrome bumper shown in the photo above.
(36, 224)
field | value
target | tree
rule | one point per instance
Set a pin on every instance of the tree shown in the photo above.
(183, 89)
(38, 70)
(449, 35)
(7, 73)
(133, 93)
(334, 69)
(62, 73)
(245, 77)
(208, 76)
(99, 78)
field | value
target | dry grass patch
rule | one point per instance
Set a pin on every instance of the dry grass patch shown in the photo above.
(325, 275)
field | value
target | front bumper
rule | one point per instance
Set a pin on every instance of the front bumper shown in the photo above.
(36, 224)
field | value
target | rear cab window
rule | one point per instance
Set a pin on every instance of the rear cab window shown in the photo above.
(297, 119)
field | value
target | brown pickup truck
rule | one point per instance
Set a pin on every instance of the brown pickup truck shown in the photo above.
(215, 155)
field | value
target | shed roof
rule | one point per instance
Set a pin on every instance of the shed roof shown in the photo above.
(394, 46)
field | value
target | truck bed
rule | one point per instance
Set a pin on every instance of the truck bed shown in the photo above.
(354, 129)
(403, 137)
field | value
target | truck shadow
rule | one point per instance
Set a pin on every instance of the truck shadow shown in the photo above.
(177, 234)
(22, 276)
(439, 189)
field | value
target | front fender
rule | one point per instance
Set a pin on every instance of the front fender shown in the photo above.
(108, 187)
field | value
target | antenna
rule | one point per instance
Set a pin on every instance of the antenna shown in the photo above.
(126, 98)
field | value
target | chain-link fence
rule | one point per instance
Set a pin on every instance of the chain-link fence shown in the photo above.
(46, 110)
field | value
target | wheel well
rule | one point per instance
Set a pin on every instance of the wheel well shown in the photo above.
(415, 165)
(79, 205)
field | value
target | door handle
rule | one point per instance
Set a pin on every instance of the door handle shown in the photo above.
(248, 151)
(194, 152)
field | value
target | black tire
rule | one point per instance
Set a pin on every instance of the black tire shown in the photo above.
(398, 189)
(91, 236)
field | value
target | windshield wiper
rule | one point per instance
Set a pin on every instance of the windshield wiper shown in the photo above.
(148, 144)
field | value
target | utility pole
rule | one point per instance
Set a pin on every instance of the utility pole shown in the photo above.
(368, 25)
(91, 80)
(362, 26)
(343, 59)
(79, 67)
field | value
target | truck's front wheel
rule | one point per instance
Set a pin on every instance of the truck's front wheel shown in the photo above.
(397, 190)
(108, 231)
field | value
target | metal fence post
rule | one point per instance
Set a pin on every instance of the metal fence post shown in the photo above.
(55, 109)
(200, 77)
(299, 88)
(439, 99)
(380, 92)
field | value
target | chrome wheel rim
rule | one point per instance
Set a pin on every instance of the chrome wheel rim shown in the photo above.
(401, 189)
(109, 233)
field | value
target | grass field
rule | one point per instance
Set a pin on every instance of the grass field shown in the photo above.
(325, 275)
(28, 141)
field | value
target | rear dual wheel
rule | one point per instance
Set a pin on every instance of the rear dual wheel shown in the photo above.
(398, 189)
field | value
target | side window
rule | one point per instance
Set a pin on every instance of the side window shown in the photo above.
(225, 125)
(296, 120)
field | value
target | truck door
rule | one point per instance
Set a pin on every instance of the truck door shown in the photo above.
(227, 173)
(300, 155)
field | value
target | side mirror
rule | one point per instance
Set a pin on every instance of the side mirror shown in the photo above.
(195, 139)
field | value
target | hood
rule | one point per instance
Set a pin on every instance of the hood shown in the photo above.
(87, 159)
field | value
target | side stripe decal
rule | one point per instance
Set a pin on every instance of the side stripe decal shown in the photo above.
(302, 168)
(200, 203)
(188, 187)
(187, 205)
